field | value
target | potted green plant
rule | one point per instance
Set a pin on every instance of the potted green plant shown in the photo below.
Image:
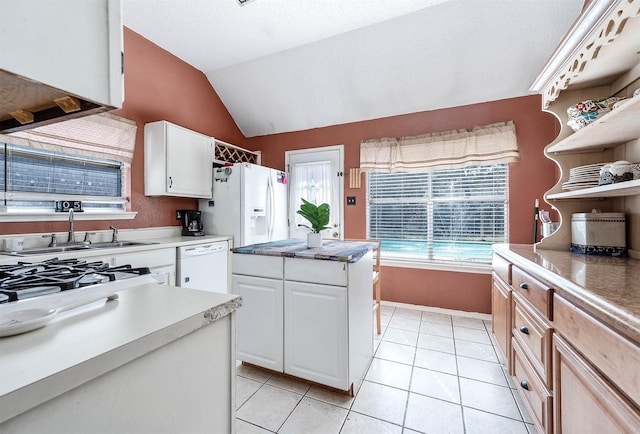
(318, 217)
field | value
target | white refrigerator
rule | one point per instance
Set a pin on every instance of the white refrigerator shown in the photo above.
(249, 202)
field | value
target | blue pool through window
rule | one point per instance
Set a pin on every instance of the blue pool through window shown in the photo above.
(444, 215)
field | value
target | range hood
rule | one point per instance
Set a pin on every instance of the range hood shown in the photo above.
(60, 60)
(26, 104)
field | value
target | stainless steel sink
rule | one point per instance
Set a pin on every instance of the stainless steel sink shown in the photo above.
(47, 250)
(108, 245)
(76, 247)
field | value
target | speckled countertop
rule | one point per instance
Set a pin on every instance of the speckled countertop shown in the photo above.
(331, 250)
(606, 287)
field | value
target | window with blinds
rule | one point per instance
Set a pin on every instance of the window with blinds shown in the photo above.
(443, 215)
(33, 179)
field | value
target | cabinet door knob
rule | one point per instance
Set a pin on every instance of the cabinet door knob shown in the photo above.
(524, 330)
(524, 286)
(524, 384)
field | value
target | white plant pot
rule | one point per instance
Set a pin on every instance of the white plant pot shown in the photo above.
(314, 240)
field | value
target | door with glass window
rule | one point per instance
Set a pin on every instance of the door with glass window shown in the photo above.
(316, 175)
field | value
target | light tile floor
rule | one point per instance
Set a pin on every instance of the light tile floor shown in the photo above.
(432, 373)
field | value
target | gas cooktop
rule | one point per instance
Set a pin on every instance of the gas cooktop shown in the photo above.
(26, 280)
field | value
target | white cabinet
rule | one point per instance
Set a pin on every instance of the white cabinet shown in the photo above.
(315, 336)
(308, 318)
(56, 49)
(177, 161)
(161, 261)
(260, 321)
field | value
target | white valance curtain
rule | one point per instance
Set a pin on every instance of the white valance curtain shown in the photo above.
(102, 135)
(495, 143)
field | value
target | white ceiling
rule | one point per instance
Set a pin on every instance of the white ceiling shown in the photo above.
(289, 65)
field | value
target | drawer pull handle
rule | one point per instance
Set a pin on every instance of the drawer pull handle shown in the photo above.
(524, 330)
(524, 286)
(524, 384)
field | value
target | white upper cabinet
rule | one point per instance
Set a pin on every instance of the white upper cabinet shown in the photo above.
(57, 50)
(177, 161)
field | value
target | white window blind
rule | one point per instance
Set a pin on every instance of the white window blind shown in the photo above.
(444, 215)
(86, 159)
(489, 144)
(102, 136)
(34, 179)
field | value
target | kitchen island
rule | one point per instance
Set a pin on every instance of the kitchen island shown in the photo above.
(306, 312)
(158, 359)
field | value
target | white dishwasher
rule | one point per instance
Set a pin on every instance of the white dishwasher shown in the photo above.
(204, 266)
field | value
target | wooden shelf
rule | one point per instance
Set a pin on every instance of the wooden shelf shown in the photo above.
(618, 126)
(228, 153)
(628, 188)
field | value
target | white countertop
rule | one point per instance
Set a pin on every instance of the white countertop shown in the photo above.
(79, 345)
(160, 237)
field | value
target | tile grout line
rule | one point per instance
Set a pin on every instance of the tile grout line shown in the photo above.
(377, 343)
(413, 366)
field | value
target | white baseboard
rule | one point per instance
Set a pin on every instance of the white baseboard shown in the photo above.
(476, 315)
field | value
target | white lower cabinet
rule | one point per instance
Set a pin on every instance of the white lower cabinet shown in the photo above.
(315, 335)
(311, 319)
(161, 261)
(260, 321)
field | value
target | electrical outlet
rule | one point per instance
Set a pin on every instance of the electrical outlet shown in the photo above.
(351, 200)
(210, 203)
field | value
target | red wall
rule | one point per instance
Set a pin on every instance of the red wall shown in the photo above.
(160, 86)
(529, 179)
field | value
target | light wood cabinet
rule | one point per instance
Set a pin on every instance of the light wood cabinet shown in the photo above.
(584, 401)
(533, 332)
(177, 161)
(597, 59)
(575, 373)
(537, 397)
(501, 306)
(530, 365)
(617, 357)
(501, 315)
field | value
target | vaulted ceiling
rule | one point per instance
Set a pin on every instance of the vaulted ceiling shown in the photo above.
(289, 65)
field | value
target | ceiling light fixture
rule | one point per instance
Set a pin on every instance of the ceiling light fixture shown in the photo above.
(244, 2)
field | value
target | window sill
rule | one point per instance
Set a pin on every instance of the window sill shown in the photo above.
(462, 267)
(23, 216)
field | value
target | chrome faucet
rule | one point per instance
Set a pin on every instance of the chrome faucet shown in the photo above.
(71, 238)
(114, 238)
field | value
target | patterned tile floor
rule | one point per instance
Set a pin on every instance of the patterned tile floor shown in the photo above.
(432, 372)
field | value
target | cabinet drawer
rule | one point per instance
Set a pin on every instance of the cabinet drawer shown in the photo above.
(502, 268)
(316, 271)
(534, 333)
(535, 292)
(257, 265)
(536, 396)
(615, 356)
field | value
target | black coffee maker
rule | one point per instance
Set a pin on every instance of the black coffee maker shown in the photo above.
(191, 222)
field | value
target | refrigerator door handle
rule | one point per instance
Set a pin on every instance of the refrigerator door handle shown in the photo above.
(272, 206)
